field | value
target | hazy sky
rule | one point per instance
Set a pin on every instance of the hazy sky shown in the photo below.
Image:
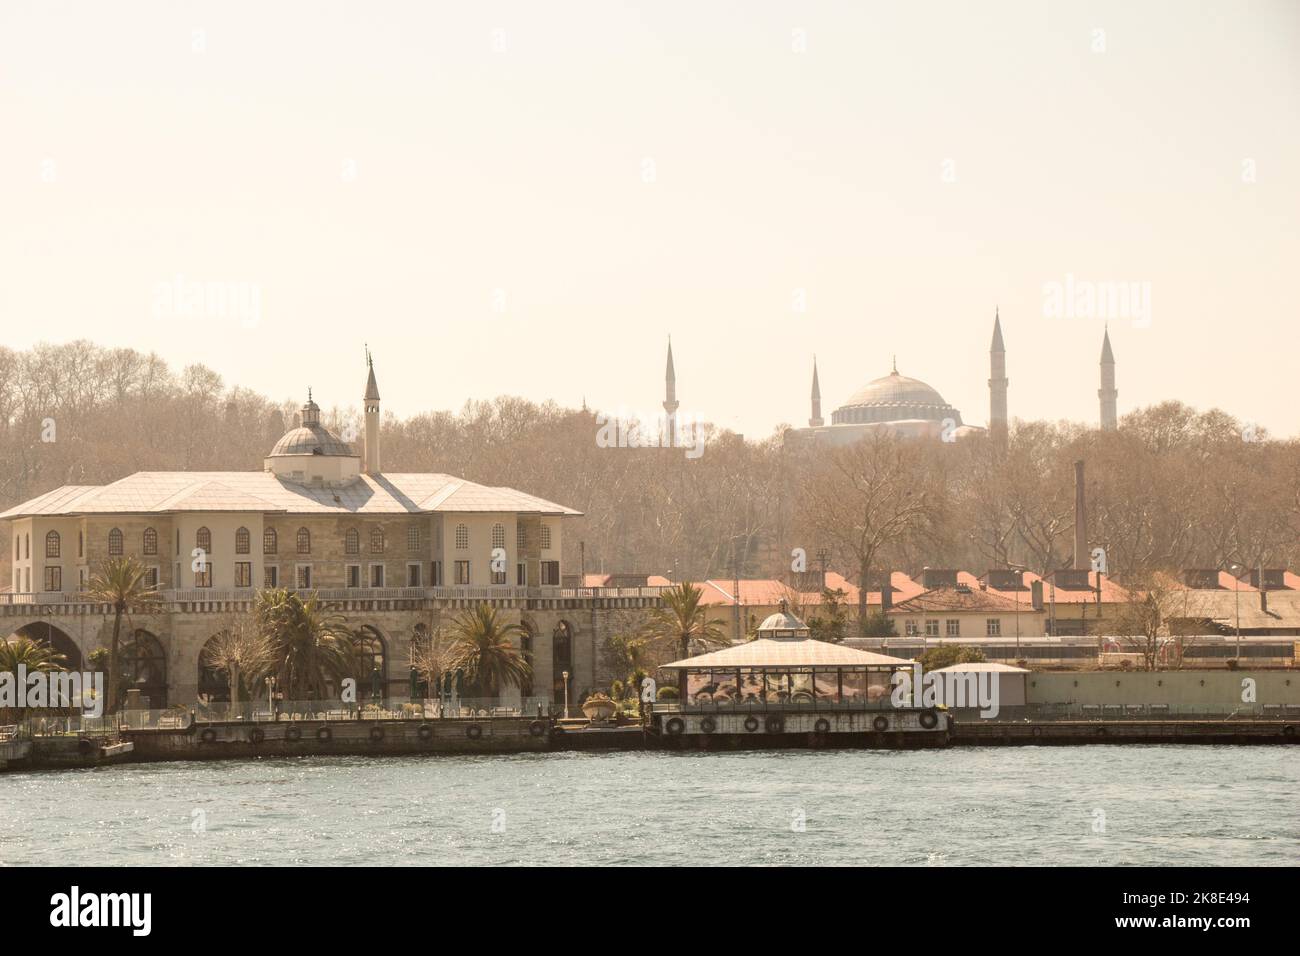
(528, 198)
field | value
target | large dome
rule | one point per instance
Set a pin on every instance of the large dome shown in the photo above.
(894, 398)
(311, 440)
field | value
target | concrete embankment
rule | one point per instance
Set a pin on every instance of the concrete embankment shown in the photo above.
(1072, 733)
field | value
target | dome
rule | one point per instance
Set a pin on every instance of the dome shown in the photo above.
(313, 439)
(894, 398)
(782, 624)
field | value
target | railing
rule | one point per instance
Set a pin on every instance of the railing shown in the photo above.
(495, 592)
(326, 710)
(1228, 711)
(788, 706)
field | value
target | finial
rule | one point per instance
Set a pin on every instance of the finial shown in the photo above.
(895, 364)
(308, 394)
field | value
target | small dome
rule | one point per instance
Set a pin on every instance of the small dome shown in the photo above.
(895, 398)
(782, 624)
(314, 439)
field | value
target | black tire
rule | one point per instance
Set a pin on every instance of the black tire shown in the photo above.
(929, 719)
(775, 724)
(537, 728)
(86, 746)
(751, 723)
(293, 732)
(708, 725)
(208, 735)
(376, 734)
(425, 732)
(823, 726)
(880, 723)
(1038, 731)
(256, 735)
(674, 726)
(1288, 731)
(1101, 731)
(324, 733)
(473, 731)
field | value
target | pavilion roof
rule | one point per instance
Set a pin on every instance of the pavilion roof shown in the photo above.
(787, 652)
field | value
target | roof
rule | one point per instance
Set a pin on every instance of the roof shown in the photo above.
(161, 492)
(787, 652)
(981, 666)
(896, 391)
(769, 592)
(958, 599)
(1223, 608)
(311, 439)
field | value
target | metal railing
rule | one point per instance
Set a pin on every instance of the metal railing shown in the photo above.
(493, 592)
(326, 710)
(780, 706)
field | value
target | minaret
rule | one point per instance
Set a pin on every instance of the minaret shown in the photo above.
(816, 421)
(997, 380)
(670, 397)
(1107, 393)
(370, 459)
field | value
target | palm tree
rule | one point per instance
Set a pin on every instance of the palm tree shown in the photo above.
(34, 655)
(121, 582)
(483, 651)
(683, 620)
(311, 645)
(240, 650)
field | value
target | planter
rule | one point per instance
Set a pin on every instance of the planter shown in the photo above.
(599, 707)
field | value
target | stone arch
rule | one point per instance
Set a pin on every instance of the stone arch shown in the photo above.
(372, 648)
(144, 667)
(57, 638)
(214, 685)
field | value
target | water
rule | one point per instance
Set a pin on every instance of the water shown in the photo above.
(1017, 805)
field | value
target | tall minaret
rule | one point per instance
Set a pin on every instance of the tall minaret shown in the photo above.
(816, 421)
(370, 460)
(997, 380)
(670, 396)
(1107, 393)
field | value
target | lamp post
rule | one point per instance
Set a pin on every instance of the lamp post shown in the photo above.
(565, 676)
(1236, 600)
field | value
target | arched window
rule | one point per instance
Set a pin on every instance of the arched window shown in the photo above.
(376, 540)
(81, 544)
(413, 538)
(241, 541)
(498, 536)
(149, 540)
(352, 542)
(115, 541)
(52, 544)
(270, 543)
(203, 540)
(462, 537)
(304, 541)
(546, 536)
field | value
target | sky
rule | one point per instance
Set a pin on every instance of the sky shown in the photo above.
(529, 199)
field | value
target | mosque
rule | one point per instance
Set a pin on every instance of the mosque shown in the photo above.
(909, 407)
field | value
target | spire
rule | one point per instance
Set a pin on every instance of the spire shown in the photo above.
(895, 371)
(998, 381)
(372, 389)
(1108, 393)
(670, 382)
(816, 421)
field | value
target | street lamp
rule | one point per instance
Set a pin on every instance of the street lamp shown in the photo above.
(565, 676)
(1237, 569)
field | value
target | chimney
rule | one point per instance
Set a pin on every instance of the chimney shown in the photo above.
(1263, 601)
(1036, 594)
(1081, 556)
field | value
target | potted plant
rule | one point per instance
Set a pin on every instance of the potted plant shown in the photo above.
(599, 707)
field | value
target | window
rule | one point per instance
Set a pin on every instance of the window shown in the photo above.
(376, 575)
(243, 574)
(203, 579)
(241, 542)
(27, 546)
(151, 577)
(178, 542)
(993, 627)
(413, 538)
(931, 627)
(81, 544)
(435, 574)
(953, 628)
(203, 540)
(115, 541)
(498, 536)
(550, 573)
(376, 540)
(52, 545)
(149, 541)
(270, 543)
(911, 629)
(353, 575)
(270, 576)
(546, 537)
(413, 575)
(304, 541)
(521, 574)
(462, 572)
(462, 537)
(521, 536)
(54, 578)
(498, 577)
(304, 577)
(352, 542)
